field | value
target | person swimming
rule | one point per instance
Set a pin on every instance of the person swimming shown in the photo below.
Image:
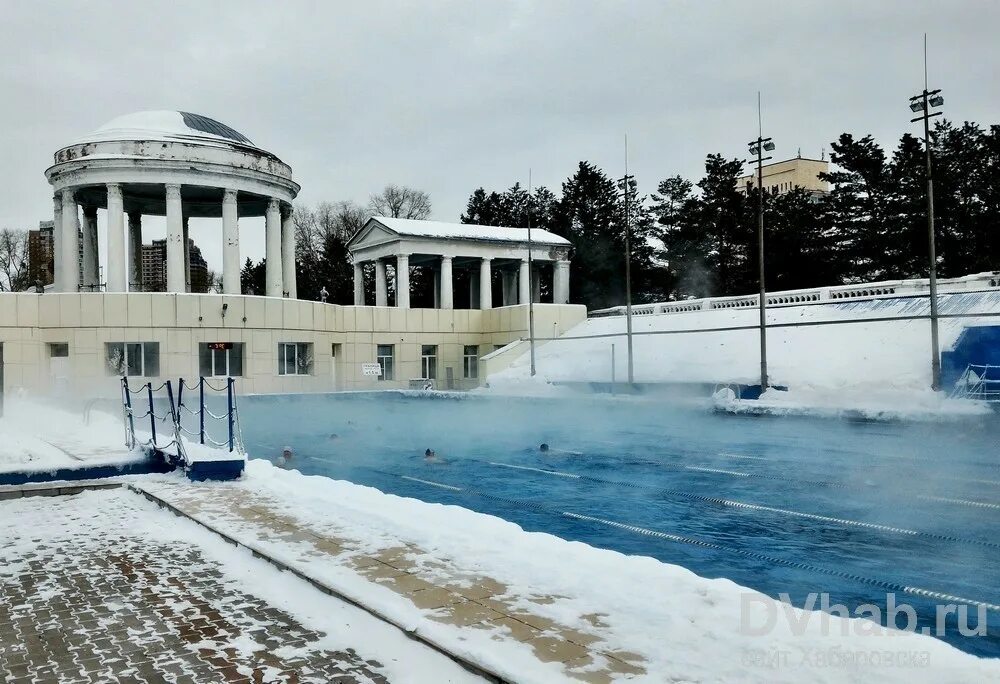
(429, 454)
(286, 456)
(546, 449)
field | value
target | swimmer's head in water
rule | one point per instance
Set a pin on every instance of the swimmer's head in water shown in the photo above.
(287, 452)
(543, 447)
(334, 435)
(429, 453)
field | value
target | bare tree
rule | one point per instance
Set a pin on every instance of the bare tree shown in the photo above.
(13, 260)
(397, 201)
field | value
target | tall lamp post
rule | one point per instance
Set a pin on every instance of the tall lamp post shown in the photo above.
(626, 180)
(757, 148)
(922, 103)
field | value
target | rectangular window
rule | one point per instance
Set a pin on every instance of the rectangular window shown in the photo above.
(220, 359)
(134, 359)
(428, 361)
(58, 350)
(295, 358)
(470, 361)
(384, 357)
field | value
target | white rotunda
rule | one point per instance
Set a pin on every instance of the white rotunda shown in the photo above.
(172, 164)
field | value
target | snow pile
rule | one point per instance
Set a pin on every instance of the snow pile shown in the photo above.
(862, 357)
(39, 437)
(876, 404)
(645, 604)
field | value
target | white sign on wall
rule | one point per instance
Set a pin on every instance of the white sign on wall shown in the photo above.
(371, 369)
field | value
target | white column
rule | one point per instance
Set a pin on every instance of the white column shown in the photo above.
(560, 283)
(175, 240)
(381, 288)
(523, 283)
(117, 265)
(272, 249)
(485, 285)
(70, 280)
(288, 280)
(135, 250)
(359, 283)
(230, 243)
(57, 240)
(447, 284)
(187, 256)
(403, 281)
(91, 258)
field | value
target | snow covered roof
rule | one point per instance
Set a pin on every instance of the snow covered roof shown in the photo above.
(169, 126)
(465, 231)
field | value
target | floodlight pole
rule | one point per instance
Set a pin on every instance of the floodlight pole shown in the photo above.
(628, 270)
(531, 286)
(925, 100)
(757, 146)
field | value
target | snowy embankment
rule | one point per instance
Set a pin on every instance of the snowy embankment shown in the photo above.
(684, 627)
(38, 437)
(874, 358)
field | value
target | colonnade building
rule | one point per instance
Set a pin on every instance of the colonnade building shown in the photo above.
(173, 164)
(78, 337)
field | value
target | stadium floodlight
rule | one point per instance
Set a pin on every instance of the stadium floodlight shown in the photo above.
(937, 101)
(916, 106)
(769, 147)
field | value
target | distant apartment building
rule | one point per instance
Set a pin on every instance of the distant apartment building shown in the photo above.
(41, 254)
(154, 267)
(785, 176)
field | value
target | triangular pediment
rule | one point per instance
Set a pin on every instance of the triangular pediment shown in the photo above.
(372, 234)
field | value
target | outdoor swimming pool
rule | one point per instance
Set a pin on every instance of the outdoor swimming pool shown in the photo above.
(791, 505)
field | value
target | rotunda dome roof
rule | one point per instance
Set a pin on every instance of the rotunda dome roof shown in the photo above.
(168, 125)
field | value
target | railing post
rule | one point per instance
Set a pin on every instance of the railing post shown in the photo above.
(128, 408)
(170, 399)
(152, 414)
(201, 409)
(229, 398)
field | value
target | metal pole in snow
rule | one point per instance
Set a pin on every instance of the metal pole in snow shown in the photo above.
(531, 285)
(612, 368)
(152, 415)
(201, 409)
(229, 398)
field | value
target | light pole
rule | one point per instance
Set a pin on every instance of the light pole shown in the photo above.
(758, 147)
(922, 103)
(626, 180)
(531, 286)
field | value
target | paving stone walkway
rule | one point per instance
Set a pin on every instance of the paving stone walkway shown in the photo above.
(83, 600)
(450, 594)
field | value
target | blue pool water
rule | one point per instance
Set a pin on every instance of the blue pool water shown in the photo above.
(833, 504)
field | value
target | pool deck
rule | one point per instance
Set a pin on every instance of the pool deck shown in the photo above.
(121, 624)
(445, 592)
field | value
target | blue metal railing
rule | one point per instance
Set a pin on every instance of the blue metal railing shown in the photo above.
(979, 381)
(231, 416)
(170, 434)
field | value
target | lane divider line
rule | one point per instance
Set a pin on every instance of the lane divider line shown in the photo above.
(882, 584)
(743, 505)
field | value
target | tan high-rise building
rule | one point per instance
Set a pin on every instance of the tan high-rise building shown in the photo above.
(785, 176)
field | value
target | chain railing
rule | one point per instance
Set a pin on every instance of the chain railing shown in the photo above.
(234, 441)
(167, 427)
(168, 436)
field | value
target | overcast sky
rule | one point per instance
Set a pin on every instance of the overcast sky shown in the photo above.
(448, 96)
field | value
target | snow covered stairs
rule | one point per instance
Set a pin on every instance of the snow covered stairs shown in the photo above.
(485, 625)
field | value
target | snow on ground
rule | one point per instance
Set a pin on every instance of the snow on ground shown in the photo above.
(686, 627)
(854, 358)
(875, 404)
(97, 514)
(36, 436)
